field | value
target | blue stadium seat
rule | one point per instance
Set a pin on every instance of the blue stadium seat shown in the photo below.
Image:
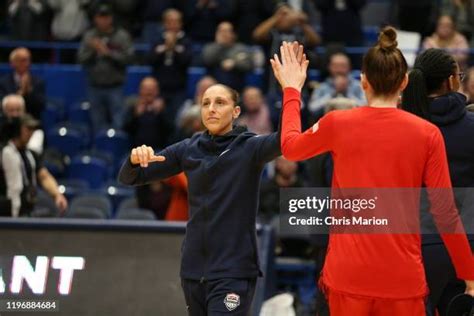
(88, 168)
(72, 187)
(117, 193)
(255, 78)
(106, 156)
(68, 141)
(79, 112)
(135, 74)
(51, 115)
(93, 201)
(130, 202)
(113, 141)
(85, 212)
(136, 213)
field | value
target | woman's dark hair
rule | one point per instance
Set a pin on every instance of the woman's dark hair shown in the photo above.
(431, 69)
(234, 95)
(384, 65)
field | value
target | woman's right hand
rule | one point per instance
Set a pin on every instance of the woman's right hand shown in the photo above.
(291, 70)
(143, 155)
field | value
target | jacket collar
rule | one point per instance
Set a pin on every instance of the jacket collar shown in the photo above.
(448, 108)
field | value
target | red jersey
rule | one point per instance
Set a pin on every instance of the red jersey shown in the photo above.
(377, 148)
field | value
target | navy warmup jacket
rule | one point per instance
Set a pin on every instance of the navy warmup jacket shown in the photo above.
(223, 182)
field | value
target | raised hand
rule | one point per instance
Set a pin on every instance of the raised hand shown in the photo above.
(143, 155)
(290, 72)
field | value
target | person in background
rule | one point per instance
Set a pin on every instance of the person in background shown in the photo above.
(151, 12)
(416, 16)
(286, 24)
(21, 171)
(227, 60)
(340, 83)
(29, 20)
(203, 16)
(201, 86)
(13, 105)
(447, 37)
(70, 19)
(145, 121)
(463, 13)
(285, 176)
(170, 58)
(104, 53)
(249, 14)
(256, 115)
(21, 81)
(189, 123)
(468, 86)
(338, 16)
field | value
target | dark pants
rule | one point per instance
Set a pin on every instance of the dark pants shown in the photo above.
(441, 277)
(219, 297)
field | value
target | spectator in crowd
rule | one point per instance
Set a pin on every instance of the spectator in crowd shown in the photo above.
(203, 16)
(468, 86)
(170, 59)
(286, 24)
(225, 59)
(248, 15)
(256, 113)
(21, 171)
(447, 37)
(151, 12)
(463, 13)
(29, 20)
(70, 19)
(416, 16)
(203, 84)
(190, 122)
(126, 15)
(338, 16)
(145, 120)
(13, 105)
(286, 176)
(22, 82)
(105, 52)
(340, 83)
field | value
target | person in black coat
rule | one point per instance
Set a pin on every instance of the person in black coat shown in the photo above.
(223, 166)
(22, 82)
(432, 94)
(170, 58)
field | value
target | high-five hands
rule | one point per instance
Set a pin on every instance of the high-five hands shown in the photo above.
(291, 70)
(143, 155)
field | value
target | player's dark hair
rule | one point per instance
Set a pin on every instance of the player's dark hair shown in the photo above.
(431, 69)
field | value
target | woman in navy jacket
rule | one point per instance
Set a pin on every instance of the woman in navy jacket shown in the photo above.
(432, 94)
(223, 165)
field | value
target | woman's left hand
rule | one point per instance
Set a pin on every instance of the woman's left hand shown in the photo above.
(291, 70)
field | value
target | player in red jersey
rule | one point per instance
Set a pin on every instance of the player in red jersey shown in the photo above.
(376, 146)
